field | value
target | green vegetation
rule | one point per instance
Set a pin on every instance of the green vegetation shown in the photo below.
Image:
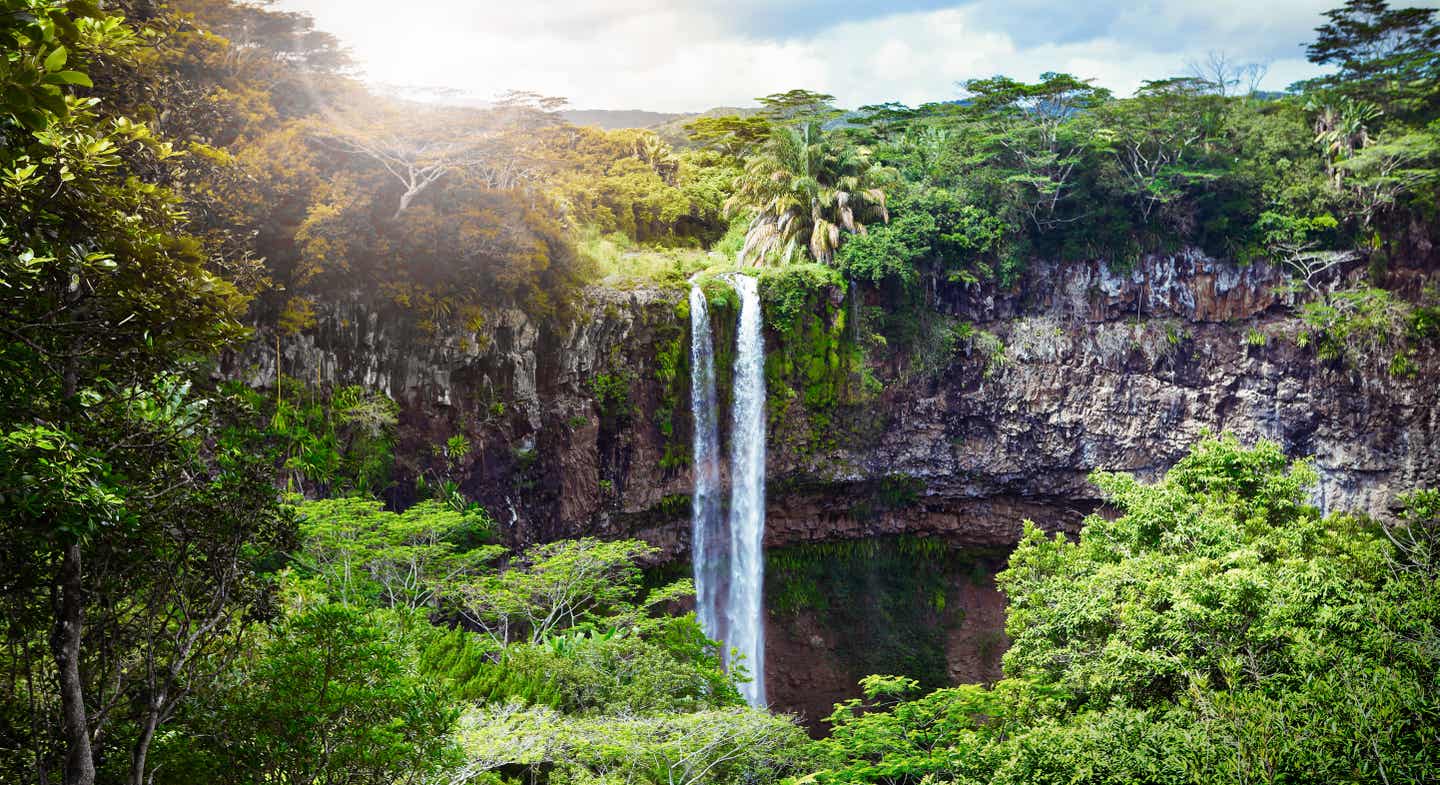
(198, 583)
(804, 186)
(1369, 327)
(1218, 630)
(357, 680)
(672, 373)
(331, 442)
(612, 398)
(622, 263)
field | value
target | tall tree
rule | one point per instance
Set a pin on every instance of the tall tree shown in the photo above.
(1388, 55)
(1032, 132)
(798, 107)
(732, 136)
(1158, 140)
(807, 188)
(104, 297)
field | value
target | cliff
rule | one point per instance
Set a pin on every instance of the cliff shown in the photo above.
(583, 430)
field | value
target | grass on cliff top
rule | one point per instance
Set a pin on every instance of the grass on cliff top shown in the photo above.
(621, 263)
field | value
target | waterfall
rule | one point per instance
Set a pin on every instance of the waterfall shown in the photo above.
(727, 553)
(707, 545)
(744, 614)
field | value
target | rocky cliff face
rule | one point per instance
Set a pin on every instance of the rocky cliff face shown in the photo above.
(583, 430)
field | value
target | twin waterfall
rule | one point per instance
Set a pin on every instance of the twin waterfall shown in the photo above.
(729, 562)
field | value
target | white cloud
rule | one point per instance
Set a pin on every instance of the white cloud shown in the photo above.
(693, 54)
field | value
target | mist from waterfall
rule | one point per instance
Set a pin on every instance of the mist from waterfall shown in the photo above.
(744, 613)
(707, 536)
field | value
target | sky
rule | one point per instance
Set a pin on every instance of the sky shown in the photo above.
(691, 55)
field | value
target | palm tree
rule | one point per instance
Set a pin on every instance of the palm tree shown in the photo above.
(1342, 129)
(807, 186)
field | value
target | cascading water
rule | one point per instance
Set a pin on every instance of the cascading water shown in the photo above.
(728, 560)
(707, 536)
(745, 623)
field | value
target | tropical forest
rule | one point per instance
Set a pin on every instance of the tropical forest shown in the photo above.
(692, 393)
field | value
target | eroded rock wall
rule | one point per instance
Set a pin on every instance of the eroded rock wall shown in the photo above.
(1101, 370)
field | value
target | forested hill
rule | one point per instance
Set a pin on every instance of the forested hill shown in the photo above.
(611, 119)
(345, 439)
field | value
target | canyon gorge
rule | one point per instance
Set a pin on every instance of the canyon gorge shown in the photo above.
(1090, 368)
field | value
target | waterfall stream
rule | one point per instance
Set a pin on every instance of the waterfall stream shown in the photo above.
(706, 532)
(744, 613)
(729, 559)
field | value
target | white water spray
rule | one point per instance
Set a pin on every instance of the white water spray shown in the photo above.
(707, 535)
(744, 612)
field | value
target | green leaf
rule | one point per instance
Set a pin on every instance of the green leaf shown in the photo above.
(56, 59)
(70, 77)
(53, 102)
(33, 120)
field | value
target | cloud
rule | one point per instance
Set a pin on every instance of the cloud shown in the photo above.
(681, 55)
(1266, 29)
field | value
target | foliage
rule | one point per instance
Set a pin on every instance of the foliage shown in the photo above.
(329, 698)
(137, 518)
(612, 397)
(1365, 327)
(358, 554)
(732, 136)
(931, 226)
(723, 746)
(804, 188)
(1035, 133)
(787, 295)
(329, 440)
(621, 263)
(559, 586)
(166, 166)
(1216, 629)
(1383, 53)
(672, 373)
(660, 667)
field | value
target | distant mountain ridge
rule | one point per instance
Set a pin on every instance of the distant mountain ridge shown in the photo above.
(610, 119)
(670, 126)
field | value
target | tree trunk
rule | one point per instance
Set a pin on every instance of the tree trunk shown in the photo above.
(142, 742)
(69, 620)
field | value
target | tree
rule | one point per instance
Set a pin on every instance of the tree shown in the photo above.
(807, 186)
(193, 578)
(1216, 629)
(1391, 56)
(1031, 129)
(1158, 140)
(330, 700)
(359, 555)
(932, 225)
(417, 147)
(628, 181)
(798, 107)
(1380, 174)
(1221, 583)
(558, 586)
(104, 293)
(1342, 128)
(1223, 75)
(732, 136)
(732, 745)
